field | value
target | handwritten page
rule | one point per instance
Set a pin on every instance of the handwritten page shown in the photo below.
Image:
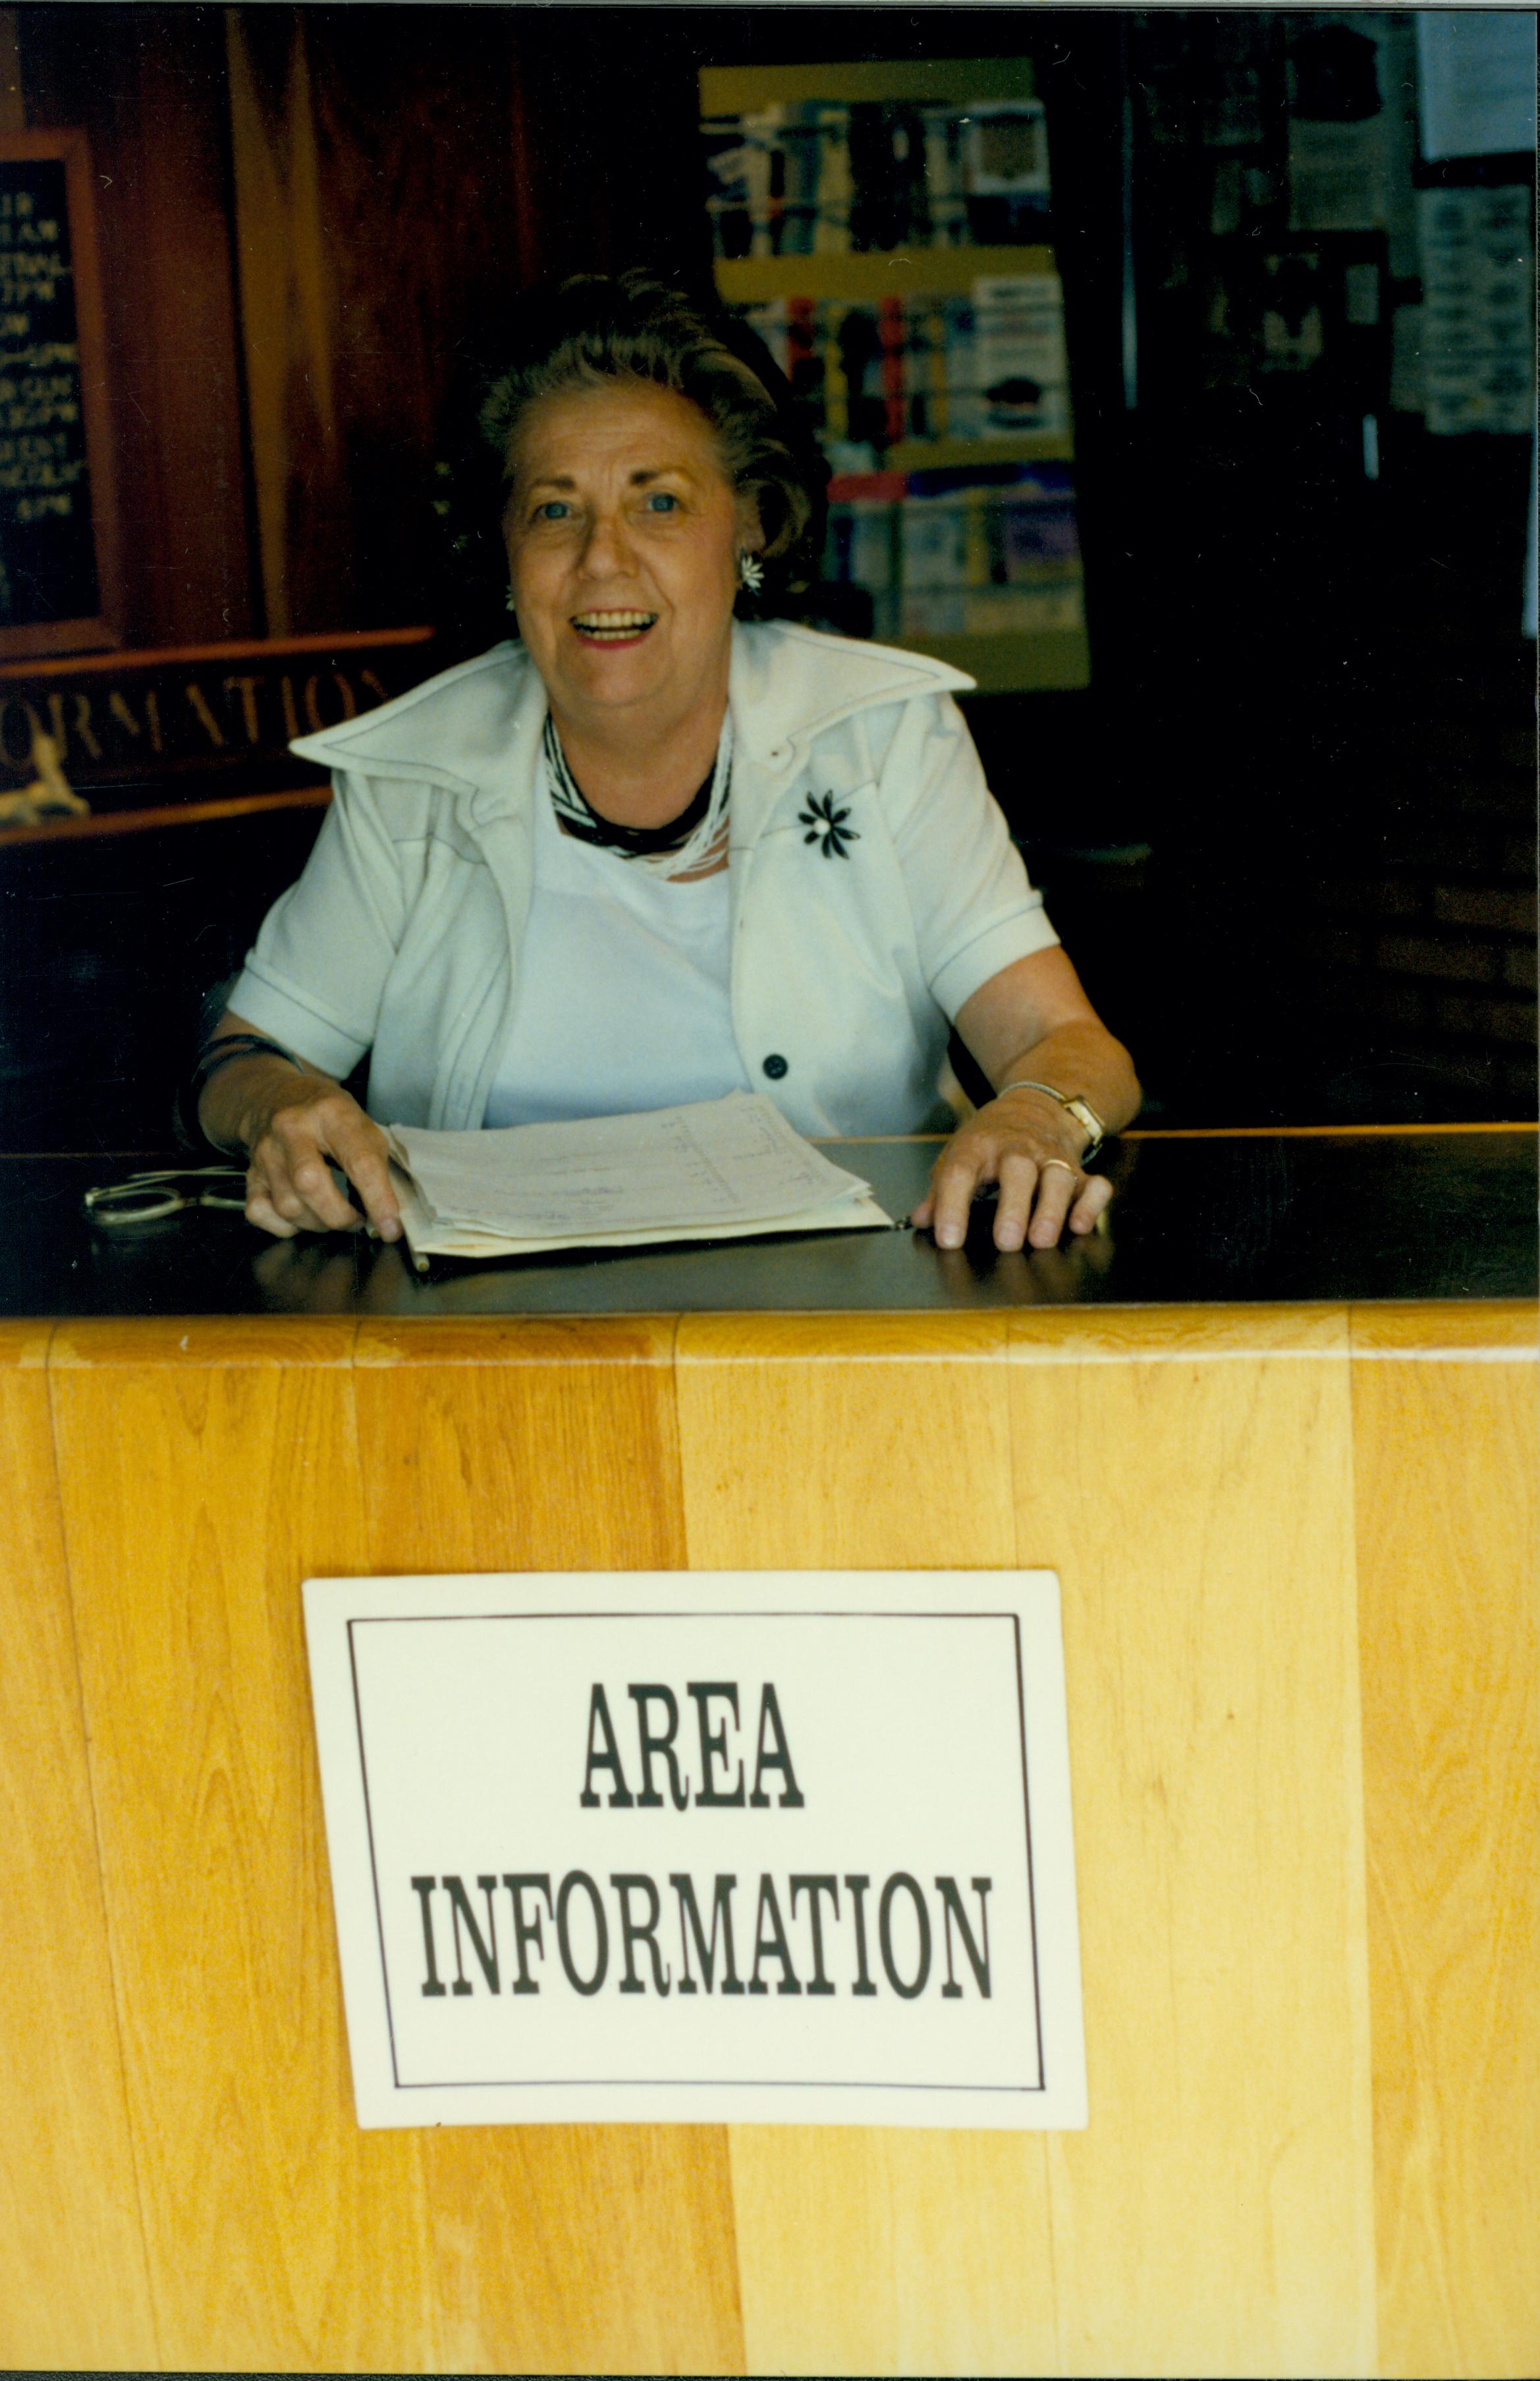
(718, 1168)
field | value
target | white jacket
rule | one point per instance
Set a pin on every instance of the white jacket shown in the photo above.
(851, 949)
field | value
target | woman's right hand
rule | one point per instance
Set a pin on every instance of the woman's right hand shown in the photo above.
(295, 1127)
(294, 1123)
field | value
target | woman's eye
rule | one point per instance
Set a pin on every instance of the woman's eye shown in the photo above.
(661, 502)
(553, 509)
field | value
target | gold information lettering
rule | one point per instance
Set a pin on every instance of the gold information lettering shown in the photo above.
(218, 718)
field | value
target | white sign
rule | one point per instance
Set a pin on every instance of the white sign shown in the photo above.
(669, 1846)
(1475, 72)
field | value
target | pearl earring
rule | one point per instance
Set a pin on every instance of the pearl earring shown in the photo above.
(750, 572)
(508, 604)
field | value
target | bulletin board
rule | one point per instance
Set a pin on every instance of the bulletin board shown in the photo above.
(58, 523)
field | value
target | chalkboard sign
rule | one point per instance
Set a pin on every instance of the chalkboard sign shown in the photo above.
(57, 525)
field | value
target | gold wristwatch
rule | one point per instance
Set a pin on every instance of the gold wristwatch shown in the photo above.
(1080, 1110)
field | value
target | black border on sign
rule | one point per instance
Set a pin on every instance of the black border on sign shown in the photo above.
(698, 2082)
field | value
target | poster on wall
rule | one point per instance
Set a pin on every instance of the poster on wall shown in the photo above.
(706, 1847)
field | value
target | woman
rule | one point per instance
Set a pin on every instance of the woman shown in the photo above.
(647, 855)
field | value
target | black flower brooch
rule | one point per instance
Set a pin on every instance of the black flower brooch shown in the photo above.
(826, 827)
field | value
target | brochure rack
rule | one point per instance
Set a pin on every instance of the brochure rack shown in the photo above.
(963, 546)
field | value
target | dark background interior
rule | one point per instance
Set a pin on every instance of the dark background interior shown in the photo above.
(1288, 832)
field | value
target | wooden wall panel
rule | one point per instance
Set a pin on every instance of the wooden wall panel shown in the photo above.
(287, 321)
(1190, 1479)
(867, 1441)
(377, 239)
(12, 107)
(312, 219)
(551, 1447)
(206, 1469)
(148, 87)
(73, 2286)
(1447, 1472)
(400, 175)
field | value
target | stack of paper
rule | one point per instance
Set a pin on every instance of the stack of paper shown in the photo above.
(719, 1169)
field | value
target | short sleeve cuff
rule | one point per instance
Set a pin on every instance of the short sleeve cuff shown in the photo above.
(998, 946)
(275, 1010)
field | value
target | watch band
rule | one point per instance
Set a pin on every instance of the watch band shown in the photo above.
(213, 1054)
(1080, 1110)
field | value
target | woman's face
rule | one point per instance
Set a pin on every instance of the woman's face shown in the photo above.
(623, 534)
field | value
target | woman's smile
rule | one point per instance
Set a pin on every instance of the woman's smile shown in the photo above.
(597, 628)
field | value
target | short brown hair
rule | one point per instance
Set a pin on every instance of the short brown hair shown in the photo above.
(596, 327)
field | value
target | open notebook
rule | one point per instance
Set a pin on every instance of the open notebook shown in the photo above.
(720, 1170)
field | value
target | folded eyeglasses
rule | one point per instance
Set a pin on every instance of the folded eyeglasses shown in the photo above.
(145, 1198)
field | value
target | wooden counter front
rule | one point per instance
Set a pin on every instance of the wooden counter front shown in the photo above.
(1297, 1549)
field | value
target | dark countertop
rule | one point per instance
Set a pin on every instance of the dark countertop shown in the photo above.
(1287, 1218)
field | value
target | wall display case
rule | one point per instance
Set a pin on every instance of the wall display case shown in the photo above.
(885, 229)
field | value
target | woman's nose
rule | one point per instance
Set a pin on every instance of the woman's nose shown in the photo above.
(609, 547)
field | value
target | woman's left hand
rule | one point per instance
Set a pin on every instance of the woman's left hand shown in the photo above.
(1027, 1145)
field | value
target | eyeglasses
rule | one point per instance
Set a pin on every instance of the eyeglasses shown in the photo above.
(145, 1198)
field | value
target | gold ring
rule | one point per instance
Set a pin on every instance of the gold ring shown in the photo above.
(1057, 1161)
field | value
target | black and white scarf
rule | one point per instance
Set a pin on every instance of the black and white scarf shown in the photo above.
(687, 845)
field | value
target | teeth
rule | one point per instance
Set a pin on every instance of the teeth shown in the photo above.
(604, 623)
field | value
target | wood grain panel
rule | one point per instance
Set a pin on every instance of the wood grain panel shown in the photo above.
(205, 1469)
(551, 1447)
(1448, 1531)
(1380, 1333)
(520, 1446)
(1179, 1334)
(857, 1441)
(847, 1440)
(74, 2291)
(1196, 1501)
(149, 95)
(582, 2249)
(288, 314)
(868, 2250)
(12, 107)
(377, 237)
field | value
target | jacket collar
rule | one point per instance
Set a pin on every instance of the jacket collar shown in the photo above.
(791, 684)
(470, 730)
(474, 729)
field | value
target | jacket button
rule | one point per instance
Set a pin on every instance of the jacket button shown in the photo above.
(775, 1066)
